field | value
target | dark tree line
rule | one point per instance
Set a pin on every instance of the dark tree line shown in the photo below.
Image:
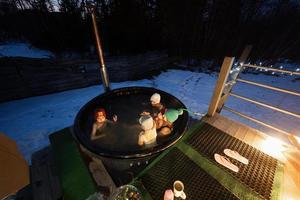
(202, 28)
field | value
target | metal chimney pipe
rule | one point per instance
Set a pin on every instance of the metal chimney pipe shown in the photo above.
(103, 70)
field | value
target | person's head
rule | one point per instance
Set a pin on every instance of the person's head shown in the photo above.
(172, 114)
(146, 122)
(155, 98)
(160, 115)
(100, 115)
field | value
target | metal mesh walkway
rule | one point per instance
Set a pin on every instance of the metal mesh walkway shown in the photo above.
(257, 175)
(177, 166)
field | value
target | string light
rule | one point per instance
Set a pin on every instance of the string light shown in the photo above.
(273, 73)
(281, 67)
(260, 63)
(298, 69)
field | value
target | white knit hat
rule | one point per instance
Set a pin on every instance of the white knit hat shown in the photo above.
(146, 121)
(155, 98)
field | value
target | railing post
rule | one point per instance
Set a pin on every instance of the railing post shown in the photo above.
(243, 58)
(225, 69)
(245, 54)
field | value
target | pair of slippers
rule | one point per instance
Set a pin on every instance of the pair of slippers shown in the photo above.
(227, 163)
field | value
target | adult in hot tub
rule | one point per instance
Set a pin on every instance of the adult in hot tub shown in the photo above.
(101, 123)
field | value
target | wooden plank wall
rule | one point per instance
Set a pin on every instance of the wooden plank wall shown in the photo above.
(23, 77)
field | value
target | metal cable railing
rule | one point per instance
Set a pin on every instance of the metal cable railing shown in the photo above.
(268, 87)
(255, 120)
(272, 69)
(265, 105)
(232, 81)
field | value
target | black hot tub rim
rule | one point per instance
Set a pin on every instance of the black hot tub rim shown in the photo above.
(81, 138)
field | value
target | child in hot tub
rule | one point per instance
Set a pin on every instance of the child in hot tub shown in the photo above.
(156, 106)
(148, 135)
(101, 123)
(164, 122)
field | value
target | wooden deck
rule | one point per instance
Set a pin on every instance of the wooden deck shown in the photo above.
(289, 156)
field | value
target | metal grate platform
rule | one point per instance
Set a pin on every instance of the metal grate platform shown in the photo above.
(176, 166)
(257, 175)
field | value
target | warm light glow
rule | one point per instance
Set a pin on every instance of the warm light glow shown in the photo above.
(296, 138)
(273, 147)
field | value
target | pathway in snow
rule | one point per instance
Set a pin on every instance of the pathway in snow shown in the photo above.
(30, 121)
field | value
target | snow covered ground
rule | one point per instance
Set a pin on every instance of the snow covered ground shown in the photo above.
(30, 121)
(20, 49)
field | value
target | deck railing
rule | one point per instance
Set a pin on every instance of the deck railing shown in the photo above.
(227, 80)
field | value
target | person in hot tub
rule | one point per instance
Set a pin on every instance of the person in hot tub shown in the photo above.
(156, 105)
(164, 122)
(101, 123)
(148, 135)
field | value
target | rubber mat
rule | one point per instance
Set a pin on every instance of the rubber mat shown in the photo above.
(177, 166)
(257, 175)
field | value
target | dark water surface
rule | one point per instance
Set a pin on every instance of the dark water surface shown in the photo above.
(123, 135)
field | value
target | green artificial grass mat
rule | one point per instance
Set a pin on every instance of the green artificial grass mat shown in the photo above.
(277, 182)
(75, 179)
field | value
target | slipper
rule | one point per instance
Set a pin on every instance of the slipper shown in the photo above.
(236, 155)
(225, 162)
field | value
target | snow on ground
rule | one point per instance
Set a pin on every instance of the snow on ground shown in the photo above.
(30, 121)
(19, 49)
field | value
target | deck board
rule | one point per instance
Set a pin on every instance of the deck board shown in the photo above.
(290, 157)
(44, 179)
